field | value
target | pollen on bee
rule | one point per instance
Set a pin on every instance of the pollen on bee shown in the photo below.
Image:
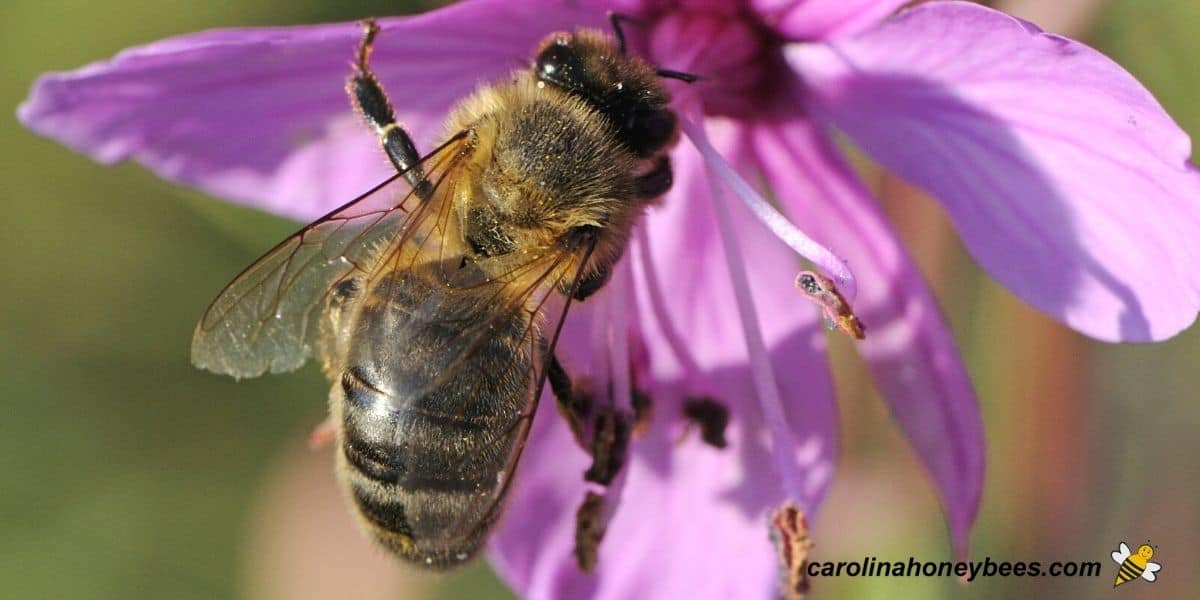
(837, 311)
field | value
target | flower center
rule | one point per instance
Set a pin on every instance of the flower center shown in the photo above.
(734, 56)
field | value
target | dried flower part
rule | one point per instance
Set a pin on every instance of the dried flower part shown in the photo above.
(824, 292)
(789, 532)
(589, 530)
(711, 416)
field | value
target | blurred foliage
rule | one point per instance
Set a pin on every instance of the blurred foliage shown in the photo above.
(128, 474)
(1157, 41)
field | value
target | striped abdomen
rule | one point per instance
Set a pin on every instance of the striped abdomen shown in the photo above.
(1129, 571)
(434, 389)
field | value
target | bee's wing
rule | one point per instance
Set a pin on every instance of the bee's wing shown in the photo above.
(1151, 569)
(1122, 552)
(266, 319)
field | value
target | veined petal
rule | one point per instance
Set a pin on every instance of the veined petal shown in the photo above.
(823, 19)
(261, 115)
(1066, 179)
(687, 507)
(909, 349)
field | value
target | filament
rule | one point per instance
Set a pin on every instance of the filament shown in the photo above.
(760, 363)
(766, 214)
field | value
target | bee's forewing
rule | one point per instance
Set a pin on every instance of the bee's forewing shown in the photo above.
(265, 320)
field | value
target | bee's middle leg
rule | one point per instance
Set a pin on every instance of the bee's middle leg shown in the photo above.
(372, 102)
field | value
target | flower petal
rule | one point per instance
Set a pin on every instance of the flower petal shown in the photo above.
(1066, 179)
(261, 115)
(909, 349)
(823, 19)
(686, 507)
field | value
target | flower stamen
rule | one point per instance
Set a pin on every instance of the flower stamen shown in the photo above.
(789, 532)
(837, 312)
(760, 362)
(766, 214)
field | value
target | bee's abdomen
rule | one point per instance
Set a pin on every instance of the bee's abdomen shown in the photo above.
(1129, 571)
(421, 449)
(431, 416)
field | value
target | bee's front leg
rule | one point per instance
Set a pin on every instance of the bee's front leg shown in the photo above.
(372, 102)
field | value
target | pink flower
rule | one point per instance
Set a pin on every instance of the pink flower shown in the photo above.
(1066, 179)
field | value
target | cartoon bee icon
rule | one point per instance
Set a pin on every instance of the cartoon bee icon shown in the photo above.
(1134, 564)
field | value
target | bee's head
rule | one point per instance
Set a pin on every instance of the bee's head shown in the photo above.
(624, 89)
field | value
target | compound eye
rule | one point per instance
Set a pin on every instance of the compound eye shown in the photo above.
(559, 65)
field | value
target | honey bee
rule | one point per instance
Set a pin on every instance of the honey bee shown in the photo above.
(424, 297)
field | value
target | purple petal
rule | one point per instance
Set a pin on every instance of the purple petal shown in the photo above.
(823, 19)
(1063, 175)
(686, 508)
(908, 348)
(261, 115)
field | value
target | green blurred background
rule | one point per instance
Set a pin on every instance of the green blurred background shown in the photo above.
(127, 474)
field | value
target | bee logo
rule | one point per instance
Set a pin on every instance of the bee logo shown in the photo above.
(1135, 564)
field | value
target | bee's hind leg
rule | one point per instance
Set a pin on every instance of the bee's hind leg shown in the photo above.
(604, 433)
(372, 102)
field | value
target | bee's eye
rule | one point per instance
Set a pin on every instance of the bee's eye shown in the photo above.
(559, 64)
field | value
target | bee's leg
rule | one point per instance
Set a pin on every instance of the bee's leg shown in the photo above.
(372, 102)
(710, 415)
(643, 412)
(589, 531)
(590, 284)
(610, 445)
(654, 182)
(574, 402)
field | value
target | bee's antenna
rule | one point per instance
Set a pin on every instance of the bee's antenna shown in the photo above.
(680, 75)
(615, 19)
